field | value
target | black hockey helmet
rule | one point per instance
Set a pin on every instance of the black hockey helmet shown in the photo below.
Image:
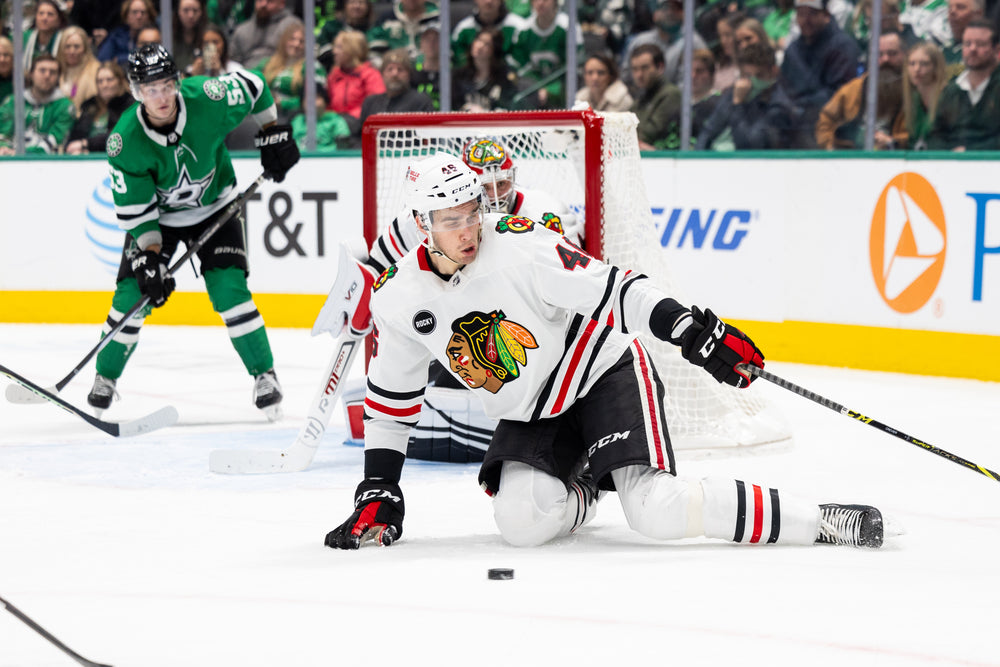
(151, 62)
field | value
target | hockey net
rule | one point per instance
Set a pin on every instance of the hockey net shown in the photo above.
(590, 161)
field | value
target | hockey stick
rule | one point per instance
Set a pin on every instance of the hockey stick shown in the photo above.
(297, 457)
(166, 416)
(837, 407)
(17, 394)
(48, 635)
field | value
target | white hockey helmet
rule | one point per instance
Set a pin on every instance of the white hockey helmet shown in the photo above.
(437, 182)
(496, 170)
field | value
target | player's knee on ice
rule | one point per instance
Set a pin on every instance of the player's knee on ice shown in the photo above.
(530, 507)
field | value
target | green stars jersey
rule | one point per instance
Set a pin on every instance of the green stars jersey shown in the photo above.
(181, 178)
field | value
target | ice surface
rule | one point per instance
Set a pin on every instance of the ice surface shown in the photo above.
(133, 553)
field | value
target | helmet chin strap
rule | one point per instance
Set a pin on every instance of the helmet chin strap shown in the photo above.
(434, 251)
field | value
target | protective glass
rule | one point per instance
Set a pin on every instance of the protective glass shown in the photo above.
(155, 90)
(458, 217)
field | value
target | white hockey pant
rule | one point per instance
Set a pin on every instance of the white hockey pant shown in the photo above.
(532, 507)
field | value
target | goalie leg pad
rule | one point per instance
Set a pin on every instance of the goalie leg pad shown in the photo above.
(453, 427)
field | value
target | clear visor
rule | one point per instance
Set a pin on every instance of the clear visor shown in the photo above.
(458, 217)
(155, 90)
(498, 185)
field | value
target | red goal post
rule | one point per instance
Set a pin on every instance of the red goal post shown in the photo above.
(592, 162)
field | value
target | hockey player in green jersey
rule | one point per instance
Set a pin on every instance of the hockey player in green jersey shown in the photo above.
(171, 176)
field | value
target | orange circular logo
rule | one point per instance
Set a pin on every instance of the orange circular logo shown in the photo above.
(907, 242)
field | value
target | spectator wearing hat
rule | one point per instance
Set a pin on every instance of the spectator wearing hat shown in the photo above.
(427, 65)
(668, 19)
(821, 60)
(400, 27)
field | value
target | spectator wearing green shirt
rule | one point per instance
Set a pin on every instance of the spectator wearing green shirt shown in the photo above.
(925, 78)
(284, 72)
(657, 101)
(49, 114)
(400, 27)
(968, 113)
(6, 68)
(489, 14)
(43, 38)
(540, 52)
(350, 15)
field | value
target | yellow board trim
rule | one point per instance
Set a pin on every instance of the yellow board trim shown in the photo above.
(869, 348)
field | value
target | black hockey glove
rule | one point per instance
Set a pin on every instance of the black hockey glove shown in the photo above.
(720, 348)
(278, 151)
(150, 269)
(378, 516)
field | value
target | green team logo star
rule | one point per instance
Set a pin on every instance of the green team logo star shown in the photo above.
(187, 192)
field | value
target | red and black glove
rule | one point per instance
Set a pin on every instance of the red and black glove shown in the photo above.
(720, 348)
(378, 516)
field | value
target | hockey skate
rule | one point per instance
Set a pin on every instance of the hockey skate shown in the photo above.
(101, 394)
(853, 525)
(267, 395)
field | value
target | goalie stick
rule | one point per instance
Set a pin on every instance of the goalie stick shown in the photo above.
(837, 407)
(48, 635)
(297, 457)
(18, 394)
(166, 416)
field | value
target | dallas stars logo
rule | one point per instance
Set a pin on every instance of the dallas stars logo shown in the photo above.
(187, 192)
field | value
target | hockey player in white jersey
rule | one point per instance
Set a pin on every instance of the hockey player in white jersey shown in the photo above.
(452, 427)
(547, 338)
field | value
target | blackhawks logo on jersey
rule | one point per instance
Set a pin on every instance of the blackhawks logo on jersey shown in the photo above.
(487, 350)
(515, 223)
(382, 279)
(553, 222)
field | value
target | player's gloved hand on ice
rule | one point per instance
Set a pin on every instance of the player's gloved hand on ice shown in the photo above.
(278, 151)
(378, 516)
(348, 303)
(150, 269)
(720, 348)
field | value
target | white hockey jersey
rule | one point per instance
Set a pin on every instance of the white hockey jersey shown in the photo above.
(529, 326)
(401, 235)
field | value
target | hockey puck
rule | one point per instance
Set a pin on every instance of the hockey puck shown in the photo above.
(500, 573)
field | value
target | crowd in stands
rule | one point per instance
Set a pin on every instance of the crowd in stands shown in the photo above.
(765, 74)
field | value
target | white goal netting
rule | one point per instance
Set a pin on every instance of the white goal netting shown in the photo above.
(564, 154)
